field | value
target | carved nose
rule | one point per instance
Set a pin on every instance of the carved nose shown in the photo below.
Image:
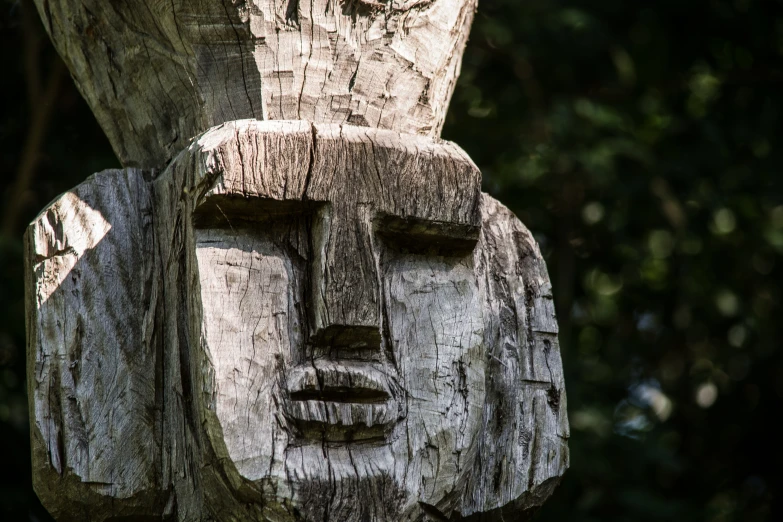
(345, 284)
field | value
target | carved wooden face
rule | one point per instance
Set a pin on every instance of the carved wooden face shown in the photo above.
(298, 322)
(360, 336)
(343, 328)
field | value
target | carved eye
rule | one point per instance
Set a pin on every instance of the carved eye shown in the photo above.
(426, 237)
(228, 211)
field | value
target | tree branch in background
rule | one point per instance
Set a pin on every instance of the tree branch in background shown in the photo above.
(41, 98)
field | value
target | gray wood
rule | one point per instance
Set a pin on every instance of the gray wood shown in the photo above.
(300, 306)
(318, 322)
(92, 375)
(158, 72)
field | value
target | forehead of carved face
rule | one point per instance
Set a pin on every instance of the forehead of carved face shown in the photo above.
(341, 312)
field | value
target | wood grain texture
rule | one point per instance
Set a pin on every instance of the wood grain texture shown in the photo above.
(305, 309)
(93, 383)
(158, 72)
(319, 323)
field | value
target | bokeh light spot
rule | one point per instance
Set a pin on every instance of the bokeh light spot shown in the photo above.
(727, 303)
(593, 213)
(706, 395)
(723, 221)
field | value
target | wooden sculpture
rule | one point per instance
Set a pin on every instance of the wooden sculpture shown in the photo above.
(294, 303)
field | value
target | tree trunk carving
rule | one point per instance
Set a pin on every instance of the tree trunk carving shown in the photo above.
(299, 306)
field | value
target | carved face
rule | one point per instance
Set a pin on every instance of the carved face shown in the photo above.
(308, 322)
(389, 410)
(350, 347)
(343, 332)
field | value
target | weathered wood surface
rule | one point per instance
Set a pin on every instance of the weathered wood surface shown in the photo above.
(92, 380)
(158, 72)
(321, 319)
(293, 321)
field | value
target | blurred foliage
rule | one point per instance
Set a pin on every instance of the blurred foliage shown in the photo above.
(640, 142)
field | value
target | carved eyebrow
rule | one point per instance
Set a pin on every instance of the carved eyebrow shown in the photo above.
(222, 210)
(421, 235)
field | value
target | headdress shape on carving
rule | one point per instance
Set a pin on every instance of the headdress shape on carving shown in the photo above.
(156, 74)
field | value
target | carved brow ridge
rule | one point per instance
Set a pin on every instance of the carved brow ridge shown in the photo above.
(256, 170)
(228, 210)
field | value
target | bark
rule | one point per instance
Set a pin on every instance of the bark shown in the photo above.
(293, 321)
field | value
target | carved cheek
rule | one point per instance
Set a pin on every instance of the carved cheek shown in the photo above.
(437, 330)
(248, 325)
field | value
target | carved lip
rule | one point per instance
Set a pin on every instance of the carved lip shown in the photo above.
(343, 401)
(344, 381)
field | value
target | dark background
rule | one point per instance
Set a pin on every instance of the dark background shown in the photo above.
(640, 141)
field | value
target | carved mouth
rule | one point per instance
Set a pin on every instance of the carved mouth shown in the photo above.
(344, 395)
(343, 401)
